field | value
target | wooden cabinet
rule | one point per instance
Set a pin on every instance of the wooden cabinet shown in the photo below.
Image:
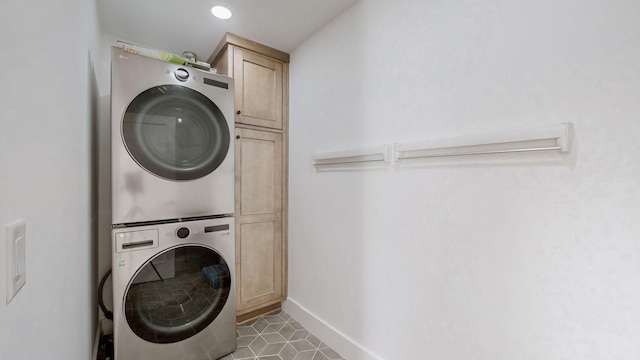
(259, 89)
(261, 105)
(261, 77)
(258, 218)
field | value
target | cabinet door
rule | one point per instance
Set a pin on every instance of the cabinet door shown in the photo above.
(259, 89)
(258, 219)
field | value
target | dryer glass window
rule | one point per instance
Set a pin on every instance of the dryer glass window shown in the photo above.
(177, 294)
(175, 132)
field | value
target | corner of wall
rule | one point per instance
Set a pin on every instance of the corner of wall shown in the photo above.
(341, 343)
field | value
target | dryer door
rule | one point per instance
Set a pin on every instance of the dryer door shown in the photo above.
(175, 305)
(175, 132)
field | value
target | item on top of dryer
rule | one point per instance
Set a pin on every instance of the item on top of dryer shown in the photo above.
(189, 55)
(162, 55)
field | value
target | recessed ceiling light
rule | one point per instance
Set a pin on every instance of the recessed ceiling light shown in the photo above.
(221, 12)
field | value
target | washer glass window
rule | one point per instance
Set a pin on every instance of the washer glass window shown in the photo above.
(177, 294)
(175, 132)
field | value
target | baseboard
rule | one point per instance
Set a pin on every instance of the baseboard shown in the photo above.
(250, 316)
(344, 345)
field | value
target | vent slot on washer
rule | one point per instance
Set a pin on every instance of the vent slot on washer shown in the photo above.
(209, 229)
(219, 84)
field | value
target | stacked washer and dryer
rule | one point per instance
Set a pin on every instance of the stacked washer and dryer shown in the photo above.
(173, 244)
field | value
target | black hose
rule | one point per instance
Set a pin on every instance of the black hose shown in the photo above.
(108, 314)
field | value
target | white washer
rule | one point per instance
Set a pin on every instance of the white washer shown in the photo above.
(171, 141)
(174, 290)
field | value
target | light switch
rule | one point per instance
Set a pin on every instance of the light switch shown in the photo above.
(16, 257)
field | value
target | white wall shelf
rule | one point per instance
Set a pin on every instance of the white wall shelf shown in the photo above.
(557, 138)
(378, 154)
(551, 138)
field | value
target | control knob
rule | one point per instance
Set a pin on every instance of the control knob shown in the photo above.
(183, 232)
(181, 74)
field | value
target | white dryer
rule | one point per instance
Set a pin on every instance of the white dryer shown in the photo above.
(174, 290)
(172, 146)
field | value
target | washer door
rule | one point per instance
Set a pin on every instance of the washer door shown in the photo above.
(175, 132)
(180, 302)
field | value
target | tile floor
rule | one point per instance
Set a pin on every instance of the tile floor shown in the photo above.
(278, 336)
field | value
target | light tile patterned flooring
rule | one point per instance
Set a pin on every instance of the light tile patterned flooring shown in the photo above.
(278, 336)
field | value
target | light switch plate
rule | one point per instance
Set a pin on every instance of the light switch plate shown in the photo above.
(16, 257)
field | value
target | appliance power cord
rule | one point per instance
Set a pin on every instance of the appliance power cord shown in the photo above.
(108, 314)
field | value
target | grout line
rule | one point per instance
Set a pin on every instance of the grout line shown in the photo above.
(287, 328)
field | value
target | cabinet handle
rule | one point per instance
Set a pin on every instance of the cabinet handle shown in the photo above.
(238, 112)
(237, 136)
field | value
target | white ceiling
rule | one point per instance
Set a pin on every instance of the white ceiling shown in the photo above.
(187, 25)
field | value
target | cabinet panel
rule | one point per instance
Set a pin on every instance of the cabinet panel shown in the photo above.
(259, 89)
(259, 93)
(259, 249)
(260, 276)
(258, 176)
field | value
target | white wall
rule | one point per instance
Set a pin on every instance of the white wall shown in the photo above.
(532, 257)
(48, 117)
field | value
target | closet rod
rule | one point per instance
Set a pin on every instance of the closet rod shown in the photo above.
(557, 137)
(353, 156)
(483, 152)
(348, 162)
